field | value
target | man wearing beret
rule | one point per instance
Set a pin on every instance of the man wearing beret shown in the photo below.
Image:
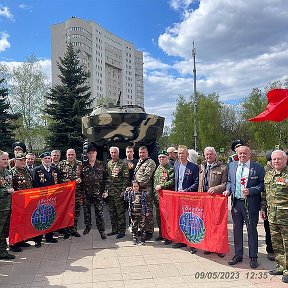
(163, 179)
(21, 179)
(43, 176)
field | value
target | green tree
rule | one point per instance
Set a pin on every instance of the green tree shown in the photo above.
(28, 86)
(7, 119)
(67, 102)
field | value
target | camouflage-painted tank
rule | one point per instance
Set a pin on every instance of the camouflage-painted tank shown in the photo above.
(122, 126)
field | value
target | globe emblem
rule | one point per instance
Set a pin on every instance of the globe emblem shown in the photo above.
(192, 227)
(43, 216)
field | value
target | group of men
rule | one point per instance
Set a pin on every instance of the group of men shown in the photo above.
(244, 180)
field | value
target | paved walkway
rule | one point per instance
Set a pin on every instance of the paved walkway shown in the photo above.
(88, 262)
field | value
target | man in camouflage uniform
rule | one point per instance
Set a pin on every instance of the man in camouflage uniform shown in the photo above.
(275, 200)
(21, 179)
(117, 181)
(93, 187)
(163, 179)
(143, 173)
(71, 170)
(5, 204)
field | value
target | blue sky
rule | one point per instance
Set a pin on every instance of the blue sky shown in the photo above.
(240, 44)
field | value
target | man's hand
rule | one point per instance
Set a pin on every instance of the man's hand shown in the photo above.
(226, 193)
(10, 190)
(211, 190)
(245, 192)
(158, 187)
(263, 214)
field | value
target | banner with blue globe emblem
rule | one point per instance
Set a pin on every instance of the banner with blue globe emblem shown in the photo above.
(197, 219)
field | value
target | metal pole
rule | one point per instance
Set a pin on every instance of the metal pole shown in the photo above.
(195, 98)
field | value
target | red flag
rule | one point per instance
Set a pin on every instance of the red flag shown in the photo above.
(41, 210)
(277, 108)
(196, 219)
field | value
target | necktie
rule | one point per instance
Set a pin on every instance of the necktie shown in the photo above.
(206, 178)
(239, 174)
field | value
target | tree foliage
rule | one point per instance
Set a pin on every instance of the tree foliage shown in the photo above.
(28, 85)
(67, 103)
(7, 119)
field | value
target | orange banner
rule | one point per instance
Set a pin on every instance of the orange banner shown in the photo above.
(41, 210)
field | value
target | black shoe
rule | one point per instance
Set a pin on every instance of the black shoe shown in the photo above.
(285, 278)
(24, 244)
(66, 235)
(112, 233)
(271, 256)
(207, 252)
(75, 234)
(167, 242)
(236, 259)
(179, 245)
(135, 242)
(37, 245)
(103, 235)
(193, 250)
(51, 240)
(276, 272)
(7, 256)
(148, 236)
(221, 255)
(87, 230)
(120, 235)
(15, 248)
(159, 238)
(253, 263)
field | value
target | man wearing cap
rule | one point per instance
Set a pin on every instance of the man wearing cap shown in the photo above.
(43, 176)
(235, 144)
(21, 179)
(93, 177)
(213, 176)
(5, 204)
(71, 170)
(172, 153)
(143, 173)
(17, 147)
(163, 179)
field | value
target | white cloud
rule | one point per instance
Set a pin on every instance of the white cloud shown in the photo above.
(25, 7)
(240, 45)
(5, 12)
(4, 43)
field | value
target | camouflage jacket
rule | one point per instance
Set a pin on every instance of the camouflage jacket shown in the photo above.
(144, 172)
(93, 178)
(70, 171)
(275, 196)
(164, 176)
(5, 184)
(21, 178)
(137, 202)
(117, 177)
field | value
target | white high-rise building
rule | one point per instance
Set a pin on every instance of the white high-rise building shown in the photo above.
(115, 65)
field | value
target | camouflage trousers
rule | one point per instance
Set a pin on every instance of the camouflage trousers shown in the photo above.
(78, 196)
(279, 236)
(4, 230)
(149, 220)
(157, 208)
(95, 199)
(116, 206)
(137, 222)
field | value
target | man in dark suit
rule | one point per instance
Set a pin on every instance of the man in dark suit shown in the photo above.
(43, 176)
(245, 184)
(186, 179)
